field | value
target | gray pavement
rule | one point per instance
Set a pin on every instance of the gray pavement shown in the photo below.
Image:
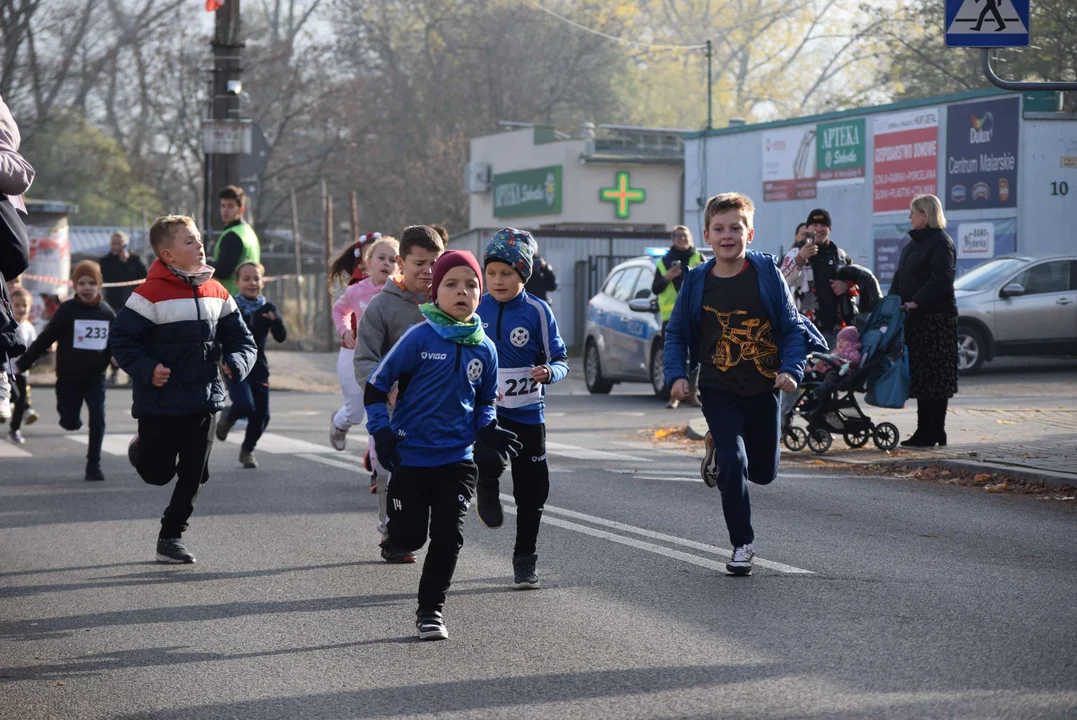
(876, 597)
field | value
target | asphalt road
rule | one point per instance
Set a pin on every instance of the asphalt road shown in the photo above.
(876, 597)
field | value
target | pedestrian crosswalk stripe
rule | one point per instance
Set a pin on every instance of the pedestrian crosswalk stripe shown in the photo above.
(274, 444)
(579, 453)
(7, 450)
(111, 444)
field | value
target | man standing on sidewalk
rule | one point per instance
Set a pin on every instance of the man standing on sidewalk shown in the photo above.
(118, 266)
(237, 243)
(822, 258)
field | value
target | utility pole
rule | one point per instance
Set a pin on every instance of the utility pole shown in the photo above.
(710, 94)
(222, 168)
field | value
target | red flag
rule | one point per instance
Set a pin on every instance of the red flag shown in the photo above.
(213, 5)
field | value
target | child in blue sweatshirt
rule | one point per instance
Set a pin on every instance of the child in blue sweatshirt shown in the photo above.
(446, 372)
(734, 317)
(530, 355)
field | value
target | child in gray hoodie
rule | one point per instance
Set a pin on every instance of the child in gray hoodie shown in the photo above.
(390, 313)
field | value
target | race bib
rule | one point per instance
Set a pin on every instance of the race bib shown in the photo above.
(516, 388)
(90, 335)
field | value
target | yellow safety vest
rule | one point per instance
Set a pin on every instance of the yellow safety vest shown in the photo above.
(251, 252)
(668, 296)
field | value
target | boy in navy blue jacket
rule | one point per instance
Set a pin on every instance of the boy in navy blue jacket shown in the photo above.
(446, 370)
(734, 316)
(250, 397)
(530, 355)
(170, 337)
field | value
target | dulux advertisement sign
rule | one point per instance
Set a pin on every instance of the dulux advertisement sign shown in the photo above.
(981, 154)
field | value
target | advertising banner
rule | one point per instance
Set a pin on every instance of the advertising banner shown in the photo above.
(789, 164)
(840, 148)
(906, 158)
(975, 241)
(528, 192)
(981, 154)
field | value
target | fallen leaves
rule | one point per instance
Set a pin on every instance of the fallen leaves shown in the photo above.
(997, 487)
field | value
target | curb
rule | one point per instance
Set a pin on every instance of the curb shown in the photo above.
(1014, 472)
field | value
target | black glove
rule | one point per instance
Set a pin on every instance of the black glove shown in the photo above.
(385, 446)
(499, 439)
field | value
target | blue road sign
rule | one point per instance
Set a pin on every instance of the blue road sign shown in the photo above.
(987, 23)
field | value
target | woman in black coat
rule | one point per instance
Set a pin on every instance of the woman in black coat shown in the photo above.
(925, 282)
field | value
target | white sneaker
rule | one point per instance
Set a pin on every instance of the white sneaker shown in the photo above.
(337, 438)
(741, 564)
(673, 404)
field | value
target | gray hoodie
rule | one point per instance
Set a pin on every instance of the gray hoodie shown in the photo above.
(390, 313)
(16, 174)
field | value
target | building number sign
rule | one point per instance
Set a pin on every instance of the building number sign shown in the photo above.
(622, 195)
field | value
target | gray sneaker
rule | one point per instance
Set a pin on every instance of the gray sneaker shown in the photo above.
(246, 459)
(741, 562)
(225, 423)
(523, 570)
(337, 438)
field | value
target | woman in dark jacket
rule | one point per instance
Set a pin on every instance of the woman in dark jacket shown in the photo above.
(925, 282)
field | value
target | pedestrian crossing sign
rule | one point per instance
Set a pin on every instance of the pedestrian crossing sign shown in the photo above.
(987, 23)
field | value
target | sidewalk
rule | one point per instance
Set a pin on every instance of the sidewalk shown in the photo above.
(1028, 444)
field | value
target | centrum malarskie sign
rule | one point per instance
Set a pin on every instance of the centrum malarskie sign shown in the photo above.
(528, 192)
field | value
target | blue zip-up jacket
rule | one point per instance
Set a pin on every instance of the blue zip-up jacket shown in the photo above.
(526, 336)
(795, 334)
(446, 393)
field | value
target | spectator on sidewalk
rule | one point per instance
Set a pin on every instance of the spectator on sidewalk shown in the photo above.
(795, 278)
(669, 274)
(237, 242)
(925, 282)
(814, 268)
(120, 266)
(543, 281)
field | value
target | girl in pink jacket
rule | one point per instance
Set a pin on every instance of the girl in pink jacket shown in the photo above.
(375, 257)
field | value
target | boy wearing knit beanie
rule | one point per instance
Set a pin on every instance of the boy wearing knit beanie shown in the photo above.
(530, 356)
(446, 402)
(80, 327)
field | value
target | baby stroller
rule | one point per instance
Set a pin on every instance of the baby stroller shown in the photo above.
(836, 410)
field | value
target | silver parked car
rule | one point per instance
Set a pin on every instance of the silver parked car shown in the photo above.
(1016, 305)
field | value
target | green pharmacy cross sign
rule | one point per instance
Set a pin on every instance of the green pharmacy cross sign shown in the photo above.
(622, 194)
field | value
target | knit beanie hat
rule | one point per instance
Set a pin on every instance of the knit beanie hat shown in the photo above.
(820, 216)
(849, 334)
(516, 248)
(448, 260)
(87, 267)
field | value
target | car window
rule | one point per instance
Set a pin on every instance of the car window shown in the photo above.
(1048, 277)
(611, 281)
(643, 285)
(622, 291)
(986, 275)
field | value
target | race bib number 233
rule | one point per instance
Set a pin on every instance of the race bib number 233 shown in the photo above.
(90, 335)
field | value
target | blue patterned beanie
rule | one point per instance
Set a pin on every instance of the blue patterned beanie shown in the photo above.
(513, 247)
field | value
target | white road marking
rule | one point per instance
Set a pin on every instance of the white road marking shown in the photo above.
(355, 464)
(623, 527)
(112, 444)
(9, 450)
(282, 445)
(685, 453)
(579, 453)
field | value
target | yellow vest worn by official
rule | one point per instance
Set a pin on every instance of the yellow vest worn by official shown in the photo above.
(252, 252)
(668, 296)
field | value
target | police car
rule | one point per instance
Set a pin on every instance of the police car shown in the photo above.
(623, 331)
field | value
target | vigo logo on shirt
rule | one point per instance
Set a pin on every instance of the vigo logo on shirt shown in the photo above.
(434, 356)
(474, 370)
(519, 337)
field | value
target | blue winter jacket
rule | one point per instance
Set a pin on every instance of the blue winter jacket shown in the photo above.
(795, 335)
(446, 393)
(526, 336)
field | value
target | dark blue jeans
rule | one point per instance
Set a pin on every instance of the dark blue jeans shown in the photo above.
(250, 399)
(746, 431)
(70, 394)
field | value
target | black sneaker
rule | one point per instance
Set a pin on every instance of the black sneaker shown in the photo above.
(393, 556)
(741, 562)
(171, 550)
(523, 571)
(93, 472)
(488, 506)
(225, 423)
(132, 452)
(708, 470)
(431, 626)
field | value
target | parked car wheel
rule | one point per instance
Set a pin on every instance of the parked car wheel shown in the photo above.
(658, 373)
(592, 371)
(971, 350)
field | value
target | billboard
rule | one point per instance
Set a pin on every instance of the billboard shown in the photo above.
(789, 164)
(906, 158)
(974, 240)
(840, 148)
(528, 192)
(981, 154)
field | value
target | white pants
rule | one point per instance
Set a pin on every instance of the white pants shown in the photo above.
(353, 410)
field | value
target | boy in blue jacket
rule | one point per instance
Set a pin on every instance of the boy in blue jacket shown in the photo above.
(530, 355)
(735, 318)
(170, 337)
(446, 373)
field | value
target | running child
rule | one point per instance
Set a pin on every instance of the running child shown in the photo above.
(736, 301)
(21, 410)
(376, 255)
(447, 368)
(388, 316)
(170, 337)
(530, 355)
(80, 326)
(250, 397)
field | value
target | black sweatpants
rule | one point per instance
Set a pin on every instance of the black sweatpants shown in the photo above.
(530, 479)
(70, 394)
(435, 499)
(745, 431)
(177, 446)
(250, 400)
(20, 395)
